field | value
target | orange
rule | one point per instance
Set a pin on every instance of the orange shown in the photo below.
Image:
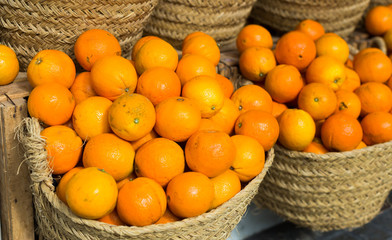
(373, 67)
(9, 65)
(388, 39)
(253, 35)
(312, 28)
(226, 117)
(94, 44)
(202, 44)
(331, 44)
(156, 53)
(361, 145)
(177, 118)
(283, 83)
(158, 83)
(295, 48)
(349, 63)
(375, 97)
(140, 43)
(191, 35)
(51, 65)
(348, 102)
(131, 116)
(296, 129)
(326, 70)
(226, 186)
(378, 20)
(141, 202)
(112, 76)
(192, 65)
(190, 194)
(60, 189)
(252, 97)
(352, 80)
(256, 62)
(167, 217)
(341, 132)
(82, 88)
(249, 159)
(91, 193)
(122, 182)
(209, 152)
(112, 218)
(319, 124)
(209, 125)
(278, 109)
(365, 51)
(159, 159)
(90, 117)
(51, 103)
(315, 147)
(389, 83)
(259, 124)
(226, 85)
(139, 142)
(207, 94)
(377, 128)
(318, 99)
(111, 154)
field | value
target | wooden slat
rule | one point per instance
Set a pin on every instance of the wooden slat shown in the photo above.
(19, 88)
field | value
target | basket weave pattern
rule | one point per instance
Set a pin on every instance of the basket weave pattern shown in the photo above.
(56, 221)
(330, 191)
(28, 26)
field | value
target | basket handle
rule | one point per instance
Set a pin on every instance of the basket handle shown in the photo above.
(376, 42)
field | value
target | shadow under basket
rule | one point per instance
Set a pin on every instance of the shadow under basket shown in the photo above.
(56, 221)
(331, 191)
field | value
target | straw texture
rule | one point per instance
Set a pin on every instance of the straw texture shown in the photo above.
(28, 26)
(56, 221)
(330, 191)
(173, 20)
(336, 16)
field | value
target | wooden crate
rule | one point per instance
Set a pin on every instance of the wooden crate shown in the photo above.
(17, 213)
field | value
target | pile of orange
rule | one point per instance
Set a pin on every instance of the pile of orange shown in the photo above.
(324, 100)
(152, 139)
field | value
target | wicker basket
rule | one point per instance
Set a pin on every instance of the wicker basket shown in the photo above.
(329, 191)
(56, 221)
(173, 20)
(336, 16)
(28, 26)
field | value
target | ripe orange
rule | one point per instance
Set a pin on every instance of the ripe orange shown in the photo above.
(377, 128)
(253, 35)
(90, 117)
(112, 76)
(295, 48)
(130, 177)
(91, 193)
(206, 147)
(252, 97)
(177, 118)
(256, 62)
(375, 97)
(378, 20)
(341, 132)
(373, 66)
(167, 217)
(283, 83)
(226, 85)
(348, 102)
(331, 44)
(326, 70)
(112, 218)
(9, 65)
(352, 80)
(259, 124)
(296, 129)
(139, 44)
(361, 145)
(202, 44)
(192, 65)
(209, 125)
(206, 92)
(226, 117)
(158, 84)
(51, 65)
(94, 44)
(51, 103)
(141, 202)
(226, 186)
(159, 159)
(311, 27)
(82, 87)
(317, 99)
(131, 116)
(139, 142)
(388, 39)
(60, 189)
(315, 147)
(365, 51)
(249, 159)
(110, 153)
(190, 194)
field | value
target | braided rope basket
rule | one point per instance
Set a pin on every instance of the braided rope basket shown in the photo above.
(173, 20)
(336, 16)
(56, 221)
(28, 26)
